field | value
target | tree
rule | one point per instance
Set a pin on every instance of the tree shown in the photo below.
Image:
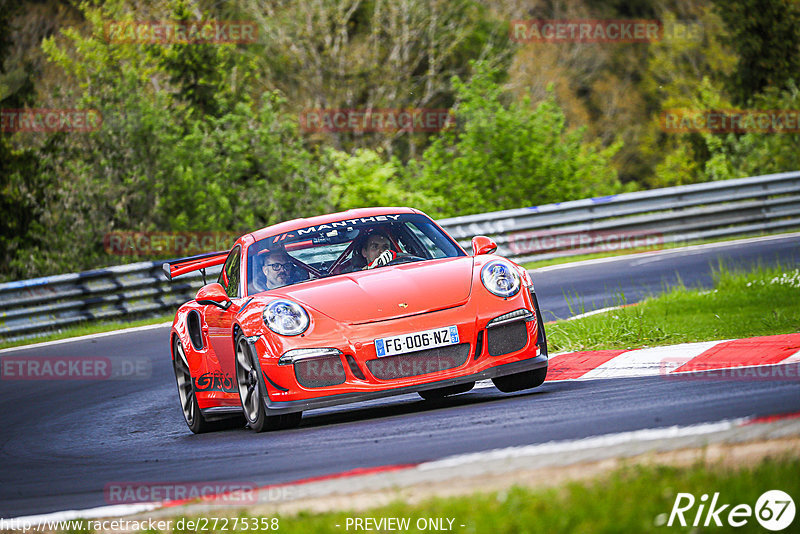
(685, 70)
(509, 155)
(367, 179)
(376, 54)
(755, 153)
(766, 37)
(22, 185)
(164, 161)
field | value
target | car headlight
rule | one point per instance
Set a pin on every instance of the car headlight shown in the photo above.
(285, 317)
(500, 278)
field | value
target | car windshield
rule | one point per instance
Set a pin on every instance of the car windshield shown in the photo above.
(342, 247)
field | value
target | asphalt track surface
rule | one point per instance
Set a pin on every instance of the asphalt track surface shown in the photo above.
(62, 442)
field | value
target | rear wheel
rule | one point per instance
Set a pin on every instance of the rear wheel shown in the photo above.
(253, 393)
(440, 393)
(191, 410)
(519, 381)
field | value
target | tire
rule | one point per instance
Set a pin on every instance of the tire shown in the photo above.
(188, 399)
(440, 393)
(520, 381)
(528, 379)
(253, 393)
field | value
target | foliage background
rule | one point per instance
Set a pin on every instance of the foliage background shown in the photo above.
(206, 137)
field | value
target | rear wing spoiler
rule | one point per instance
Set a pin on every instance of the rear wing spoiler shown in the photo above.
(200, 262)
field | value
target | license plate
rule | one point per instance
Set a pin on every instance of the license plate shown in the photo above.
(427, 339)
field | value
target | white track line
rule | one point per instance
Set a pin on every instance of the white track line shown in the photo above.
(88, 336)
(118, 510)
(794, 358)
(595, 312)
(665, 252)
(559, 447)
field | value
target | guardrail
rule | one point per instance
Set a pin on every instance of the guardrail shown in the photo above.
(644, 218)
(30, 307)
(648, 218)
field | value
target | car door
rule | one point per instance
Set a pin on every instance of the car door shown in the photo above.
(220, 321)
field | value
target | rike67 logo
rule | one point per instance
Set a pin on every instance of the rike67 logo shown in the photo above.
(774, 510)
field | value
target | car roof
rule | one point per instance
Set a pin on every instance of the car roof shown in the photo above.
(305, 222)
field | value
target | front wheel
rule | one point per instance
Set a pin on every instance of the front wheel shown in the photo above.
(253, 393)
(520, 381)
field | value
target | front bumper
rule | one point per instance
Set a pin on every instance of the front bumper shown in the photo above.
(280, 407)
(488, 356)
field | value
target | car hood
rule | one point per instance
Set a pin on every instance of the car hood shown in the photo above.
(388, 292)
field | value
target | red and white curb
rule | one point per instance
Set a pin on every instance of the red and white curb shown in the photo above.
(676, 360)
(766, 357)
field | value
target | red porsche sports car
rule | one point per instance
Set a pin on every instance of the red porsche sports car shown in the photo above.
(347, 307)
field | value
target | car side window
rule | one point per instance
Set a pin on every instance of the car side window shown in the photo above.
(229, 276)
(433, 251)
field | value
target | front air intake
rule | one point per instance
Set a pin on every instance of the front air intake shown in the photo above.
(320, 372)
(419, 363)
(506, 338)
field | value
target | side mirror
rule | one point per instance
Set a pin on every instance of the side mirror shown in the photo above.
(213, 294)
(483, 245)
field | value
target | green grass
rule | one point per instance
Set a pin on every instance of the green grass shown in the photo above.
(633, 498)
(666, 246)
(82, 329)
(762, 302)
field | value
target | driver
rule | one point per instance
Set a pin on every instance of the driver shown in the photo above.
(277, 268)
